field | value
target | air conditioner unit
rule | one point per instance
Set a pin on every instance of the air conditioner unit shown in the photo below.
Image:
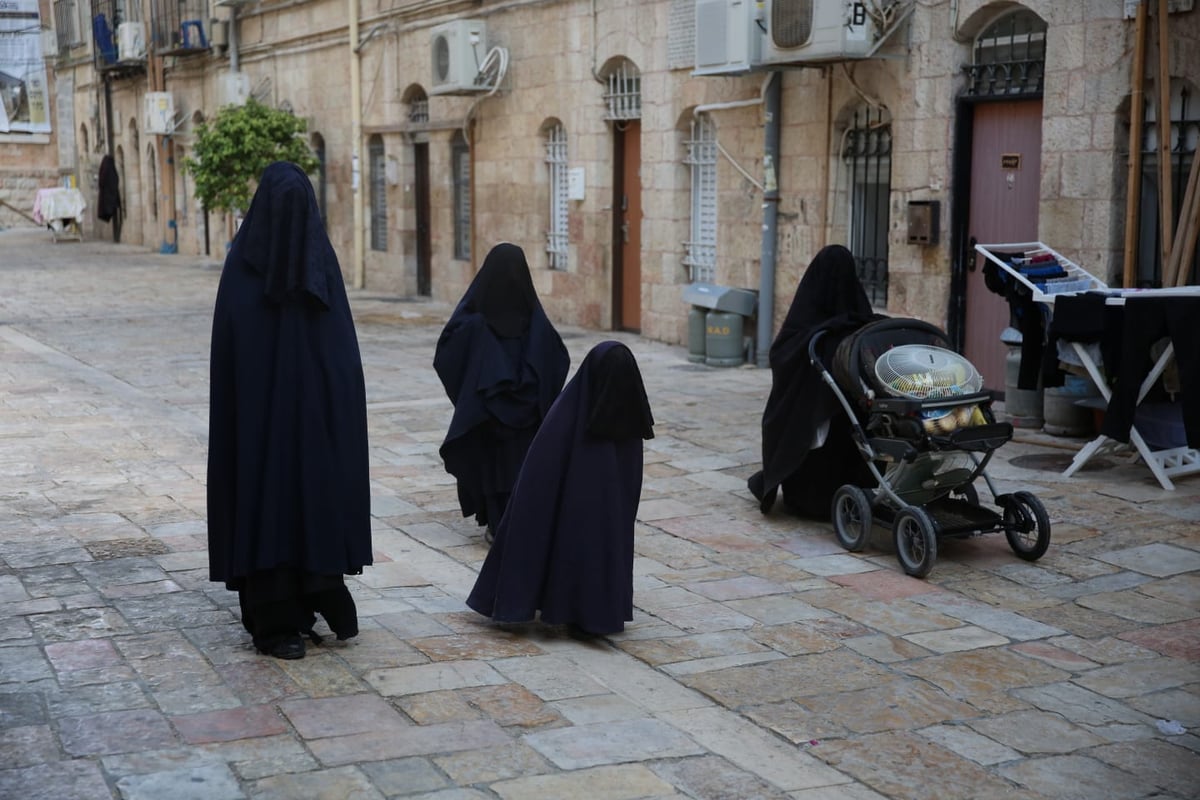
(457, 49)
(729, 36)
(233, 88)
(160, 113)
(804, 31)
(131, 41)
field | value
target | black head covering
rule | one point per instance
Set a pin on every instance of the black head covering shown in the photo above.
(502, 363)
(288, 482)
(619, 406)
(829, 298)
(565, 544)
(110, 190)
(282, 237)
(502, 291)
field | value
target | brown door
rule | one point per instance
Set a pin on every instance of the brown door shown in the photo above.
(421, 169)
(627, 224)
(1005, 189)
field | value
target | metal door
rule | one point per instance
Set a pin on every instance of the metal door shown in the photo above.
(421, 169)
(627, 224)
(1005, 189)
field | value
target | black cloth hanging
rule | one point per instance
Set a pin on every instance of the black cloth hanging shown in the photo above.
(502, 363)
(288, 485)
(565, 544)
(109, 202)
(1028, 317)
(830, 299)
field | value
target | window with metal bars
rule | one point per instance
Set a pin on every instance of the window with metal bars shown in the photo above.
(1184, 137)
(623, 92)
(556, 164)
(460, 166)
(1009, 58)
(867, 166)
(701, 249)
(318, 146)
(377, 171)
(418, 109)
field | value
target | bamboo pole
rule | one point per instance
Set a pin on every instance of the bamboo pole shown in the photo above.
(1163, 119)
(1184, 248)
(1137, 113)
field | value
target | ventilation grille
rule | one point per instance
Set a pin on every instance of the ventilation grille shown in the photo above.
(791, 22)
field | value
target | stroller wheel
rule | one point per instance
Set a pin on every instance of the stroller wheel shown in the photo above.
(1026, 525)
(916, 541)
(851, 517)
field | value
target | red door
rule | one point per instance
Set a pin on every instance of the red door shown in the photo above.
(627, 265)
(1005, 190)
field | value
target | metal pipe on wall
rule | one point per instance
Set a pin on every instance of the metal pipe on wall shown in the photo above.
(766, 280)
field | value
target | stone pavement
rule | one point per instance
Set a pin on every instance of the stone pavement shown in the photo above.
(764, 661)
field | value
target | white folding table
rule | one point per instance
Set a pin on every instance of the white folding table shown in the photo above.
(1164, 464)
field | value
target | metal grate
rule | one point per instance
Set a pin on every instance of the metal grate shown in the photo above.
(179, 27)
(1184, 139)
(791, 22)
(701, 251)
(623, 96)
(66, 25)
(418, 109)
(460, 160)
(378, 178)
(1009, 58)
(556, 161)
(867, 159)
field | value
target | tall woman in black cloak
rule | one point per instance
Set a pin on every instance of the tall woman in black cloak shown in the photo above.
(806, 442)
(288, 489)
(565, 545)
(502, 364)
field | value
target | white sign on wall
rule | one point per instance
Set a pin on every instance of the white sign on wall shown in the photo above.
(24, 90)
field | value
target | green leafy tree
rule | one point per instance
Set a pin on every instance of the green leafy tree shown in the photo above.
(231, 152)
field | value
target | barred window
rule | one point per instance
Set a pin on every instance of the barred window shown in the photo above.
(867, 166)
(701, 249)
(378, 178)
(556, 163)
(460, 165)
(623, 95)
(1009, 58)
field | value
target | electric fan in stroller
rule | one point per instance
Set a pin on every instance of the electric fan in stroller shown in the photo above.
(925, 427)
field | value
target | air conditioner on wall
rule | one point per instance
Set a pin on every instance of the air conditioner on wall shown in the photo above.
(131, 41)
(233, 89)
(160, 113)
(729, 36)
(806, 31)
(457, 49)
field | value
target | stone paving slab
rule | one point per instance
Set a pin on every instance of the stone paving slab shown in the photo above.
(763, 660)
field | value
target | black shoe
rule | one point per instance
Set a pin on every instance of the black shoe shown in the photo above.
(288, 646)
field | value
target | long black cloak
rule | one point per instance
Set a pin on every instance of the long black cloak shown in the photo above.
(829, 298)
(502, 363)
(565, 544)
(288, 486)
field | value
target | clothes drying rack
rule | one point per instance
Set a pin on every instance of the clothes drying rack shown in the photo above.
(1165, 464)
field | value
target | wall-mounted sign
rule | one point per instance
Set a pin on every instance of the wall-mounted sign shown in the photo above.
(1010, 161)
(24, 93)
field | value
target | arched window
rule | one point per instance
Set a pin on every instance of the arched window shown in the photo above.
(1009, 57)
(555, 141)
(701, 158)
(866, 170)
(418, 106)
(460, 168)
(623, 91)
(83, 140)
(318, 146)
(1183, 134)
(378, 181)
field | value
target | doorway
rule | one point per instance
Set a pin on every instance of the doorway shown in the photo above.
(1005, 181)
(627, 226)
(424, 244)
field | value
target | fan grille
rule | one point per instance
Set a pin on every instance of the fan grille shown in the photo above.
(923, 372)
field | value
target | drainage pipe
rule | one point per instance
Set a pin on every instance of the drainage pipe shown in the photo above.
(766, 280)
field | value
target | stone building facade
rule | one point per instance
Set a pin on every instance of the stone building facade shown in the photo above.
(590, 142)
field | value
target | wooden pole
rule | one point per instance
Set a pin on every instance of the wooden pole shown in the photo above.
(1184, 248)
(1137, 113)
(1163, 119)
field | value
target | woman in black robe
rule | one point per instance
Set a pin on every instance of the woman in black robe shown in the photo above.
(800, 407)
(288, 488)
(502, 364)
(565, 545)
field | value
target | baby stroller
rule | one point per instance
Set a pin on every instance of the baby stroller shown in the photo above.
(926, 431)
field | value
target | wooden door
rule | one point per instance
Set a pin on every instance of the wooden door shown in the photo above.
(424, 245)
(1005, 190)
(627, 228)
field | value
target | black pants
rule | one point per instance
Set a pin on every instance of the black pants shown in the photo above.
(284, 602)
(1148, 319)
